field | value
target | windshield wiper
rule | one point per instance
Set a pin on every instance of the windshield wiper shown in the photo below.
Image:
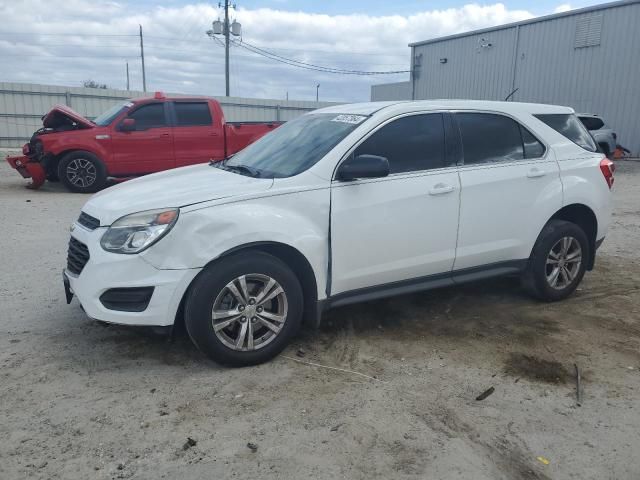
(220, 163)
(244, 169)
(241, 169)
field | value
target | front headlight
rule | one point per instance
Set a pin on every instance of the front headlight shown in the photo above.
(138, 231)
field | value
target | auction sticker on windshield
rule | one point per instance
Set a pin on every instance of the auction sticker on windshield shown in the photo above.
(354, 119)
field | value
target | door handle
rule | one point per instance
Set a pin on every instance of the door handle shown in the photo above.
(535, 173)
(440, 188)
(165, 134)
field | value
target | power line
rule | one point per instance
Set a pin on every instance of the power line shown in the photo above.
(183, 39)
(73, 45)
(305, 50)
(291, 61)
(311, 66)
(68, 34)
(53, 57)
(155, 46)
(126, 55)
(333, 52)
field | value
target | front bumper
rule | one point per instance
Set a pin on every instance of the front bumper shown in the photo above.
(105, 271)
(28, 169)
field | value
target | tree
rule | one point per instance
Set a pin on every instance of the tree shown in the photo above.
(93, 84)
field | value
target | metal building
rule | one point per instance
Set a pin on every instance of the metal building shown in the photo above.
(391, 91)
(588, 59)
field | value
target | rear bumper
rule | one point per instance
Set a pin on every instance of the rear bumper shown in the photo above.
(28, 169)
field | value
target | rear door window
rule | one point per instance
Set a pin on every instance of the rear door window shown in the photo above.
(190, 114)
(410, 143)
(569, 126)
(149, 116)
(487, 138)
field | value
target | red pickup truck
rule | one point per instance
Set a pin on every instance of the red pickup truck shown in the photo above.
(132, 138)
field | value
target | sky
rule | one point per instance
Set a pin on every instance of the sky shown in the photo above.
(67, 42)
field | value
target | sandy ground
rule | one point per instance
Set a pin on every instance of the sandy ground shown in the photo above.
(79, 399)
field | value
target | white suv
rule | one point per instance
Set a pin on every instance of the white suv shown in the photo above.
(345, 204)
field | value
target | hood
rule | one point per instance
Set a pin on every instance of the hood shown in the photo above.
(173, 188)
(61, 115)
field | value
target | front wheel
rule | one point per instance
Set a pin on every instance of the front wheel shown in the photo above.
(558, 261)
(244, 309)
(82, 172)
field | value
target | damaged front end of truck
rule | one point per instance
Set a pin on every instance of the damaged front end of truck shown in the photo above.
(36, 162)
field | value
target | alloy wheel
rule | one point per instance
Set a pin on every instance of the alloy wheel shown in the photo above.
(81, 172)
(563, 262)
(249, 312)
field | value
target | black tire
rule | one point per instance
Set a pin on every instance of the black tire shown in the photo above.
(52, 175)
(212, 284)
(536, 280)
(90, 176)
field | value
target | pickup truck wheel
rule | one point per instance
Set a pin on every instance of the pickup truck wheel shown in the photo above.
(558, 261)
(82, 172)
(244, 309)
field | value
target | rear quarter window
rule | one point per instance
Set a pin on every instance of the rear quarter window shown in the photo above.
(568, 125)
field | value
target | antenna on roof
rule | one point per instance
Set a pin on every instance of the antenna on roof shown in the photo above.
(511, 94)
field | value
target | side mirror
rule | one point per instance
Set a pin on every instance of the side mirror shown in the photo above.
(128, 125)
(363, 166)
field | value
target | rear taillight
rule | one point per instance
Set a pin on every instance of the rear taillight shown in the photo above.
(607, 167)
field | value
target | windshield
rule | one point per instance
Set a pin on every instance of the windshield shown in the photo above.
(295, 146)
(107, 117)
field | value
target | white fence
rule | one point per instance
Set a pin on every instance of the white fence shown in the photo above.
(22, 105)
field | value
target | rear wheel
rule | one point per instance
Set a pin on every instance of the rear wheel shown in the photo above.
(82, 172)
(558, 261)
(244, 309)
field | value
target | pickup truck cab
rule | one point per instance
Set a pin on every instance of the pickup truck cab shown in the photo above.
(345, 204)
(132, 138)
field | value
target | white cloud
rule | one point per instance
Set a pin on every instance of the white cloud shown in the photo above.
(565, 7)
(181, 58)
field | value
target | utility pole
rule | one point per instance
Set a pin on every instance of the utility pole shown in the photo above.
(317, 89)
(226, 45)
(225, 28)
(127, 75)
(144, 77)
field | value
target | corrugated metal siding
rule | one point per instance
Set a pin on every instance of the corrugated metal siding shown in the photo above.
(473, 69)
(602, 79)
(391, 91)
(22, 105)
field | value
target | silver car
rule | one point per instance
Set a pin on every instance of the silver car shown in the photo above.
(604, 136)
